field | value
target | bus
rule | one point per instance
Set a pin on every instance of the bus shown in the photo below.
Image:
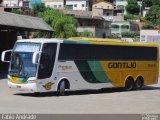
(45, 65)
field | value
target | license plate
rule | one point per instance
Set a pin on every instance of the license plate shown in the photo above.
(18, 86)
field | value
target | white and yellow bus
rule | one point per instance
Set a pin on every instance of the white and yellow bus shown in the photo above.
(43, 65)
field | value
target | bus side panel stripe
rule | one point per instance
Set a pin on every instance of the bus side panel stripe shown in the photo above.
(92, 71)
(98, 72)
(85, 71)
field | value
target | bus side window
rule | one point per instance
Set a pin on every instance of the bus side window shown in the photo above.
(47, 60)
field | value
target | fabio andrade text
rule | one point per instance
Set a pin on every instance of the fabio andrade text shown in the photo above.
(19, 117)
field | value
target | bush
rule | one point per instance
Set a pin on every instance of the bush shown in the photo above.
(86, 33)
(131, 34)
(130, 17)
(17, 11)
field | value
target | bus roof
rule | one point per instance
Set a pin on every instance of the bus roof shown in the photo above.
(107, 41)
(83, 40)
(95, 39)
(42, 40)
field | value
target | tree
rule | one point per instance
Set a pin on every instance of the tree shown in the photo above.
(153, 16)
(156, 2)
(133, 7)
(64, 26)
(38, 7)
(148, 3)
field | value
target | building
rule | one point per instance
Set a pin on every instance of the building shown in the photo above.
(31, 2)
(77, 4)
(98, 27)
(56, 4)
(102, 8)
(118, 27)
(67, 4)
(121, 4)
(10, 4)
(25, 6)
(150, 35)
(107, 11)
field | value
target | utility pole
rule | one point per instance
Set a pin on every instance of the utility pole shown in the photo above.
(141, 8)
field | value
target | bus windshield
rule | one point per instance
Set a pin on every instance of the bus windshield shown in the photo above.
(21, 60)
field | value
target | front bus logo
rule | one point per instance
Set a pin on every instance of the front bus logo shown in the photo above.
(48, 86)
(122, 65)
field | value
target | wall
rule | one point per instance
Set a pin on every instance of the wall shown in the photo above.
(55, 5)
(97, 12)
(102, 5)
(150, 36)
(97, 32)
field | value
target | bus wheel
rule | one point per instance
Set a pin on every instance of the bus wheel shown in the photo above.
(139, 83)
(61, 88)
(129, 85)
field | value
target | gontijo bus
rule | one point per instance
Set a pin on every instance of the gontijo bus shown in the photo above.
(42, 65)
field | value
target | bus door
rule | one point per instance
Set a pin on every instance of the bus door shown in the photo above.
(46, 65)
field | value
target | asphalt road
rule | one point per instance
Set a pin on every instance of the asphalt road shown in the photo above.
(108, 101)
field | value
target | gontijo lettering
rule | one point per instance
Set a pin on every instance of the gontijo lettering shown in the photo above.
(122, 65)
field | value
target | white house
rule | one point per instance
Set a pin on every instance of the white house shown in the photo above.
(67, 4)
(10, 3)
(56, 4)
(77, 4)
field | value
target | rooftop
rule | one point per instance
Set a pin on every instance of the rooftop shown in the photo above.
(16, 21)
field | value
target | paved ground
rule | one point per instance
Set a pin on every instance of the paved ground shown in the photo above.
(106, 101)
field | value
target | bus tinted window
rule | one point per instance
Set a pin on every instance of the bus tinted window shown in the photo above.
(110, 52)
(76, 52)
(67, 52)
(106, 52)
(85, 52)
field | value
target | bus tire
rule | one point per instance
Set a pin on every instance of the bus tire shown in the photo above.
(139, 83)
(129, 84)
(61, 88)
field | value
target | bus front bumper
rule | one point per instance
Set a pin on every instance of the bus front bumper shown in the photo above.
(32, 87)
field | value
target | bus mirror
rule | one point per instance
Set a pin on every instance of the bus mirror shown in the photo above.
(35, 58)
(6, 55)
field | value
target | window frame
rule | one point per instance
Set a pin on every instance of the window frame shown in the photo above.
(114, 52)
